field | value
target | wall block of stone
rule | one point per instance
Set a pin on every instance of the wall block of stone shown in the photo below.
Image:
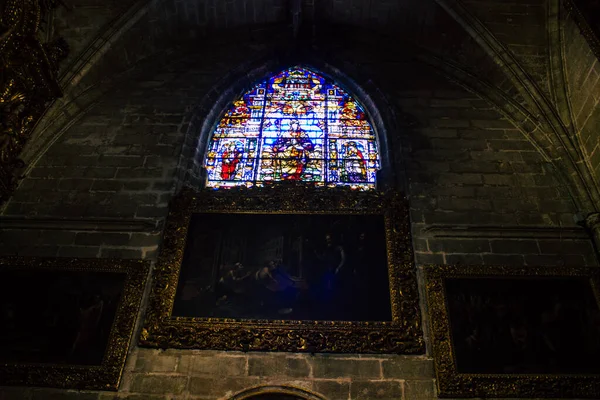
(183, 374)
(583, 80)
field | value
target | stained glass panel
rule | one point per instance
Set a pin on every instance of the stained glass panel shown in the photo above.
(296, 125)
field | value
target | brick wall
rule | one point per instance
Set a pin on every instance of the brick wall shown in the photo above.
(117, 162)
(521, 26)
(82, 21)
(175, 375)
(464, 162)
(465, 166)
(583, 80)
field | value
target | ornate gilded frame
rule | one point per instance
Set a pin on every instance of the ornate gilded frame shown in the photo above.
(106, 376)
(453, 384)
(403, 334)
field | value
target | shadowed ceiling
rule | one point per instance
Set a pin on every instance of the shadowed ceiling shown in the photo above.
(503, 51)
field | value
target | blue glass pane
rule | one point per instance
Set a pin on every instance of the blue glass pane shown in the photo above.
(297, 125)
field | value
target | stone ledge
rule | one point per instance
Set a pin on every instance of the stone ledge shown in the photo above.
(508, 232)
(78, 224)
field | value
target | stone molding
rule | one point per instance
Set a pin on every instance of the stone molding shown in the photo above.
(505, 232)
(79, 224)
(592, 223)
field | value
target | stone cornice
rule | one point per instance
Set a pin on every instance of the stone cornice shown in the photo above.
(505, 232)
(79, 224)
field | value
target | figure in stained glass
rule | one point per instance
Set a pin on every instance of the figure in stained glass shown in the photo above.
(230, 158)
(355, 166)
(350, 115)
(296, 125)
(292, 152)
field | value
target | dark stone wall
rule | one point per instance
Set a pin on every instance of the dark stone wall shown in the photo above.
(201, 375)
(521, 27)
(461, 162)
(82, 21)
(583, 81)
(464, 164)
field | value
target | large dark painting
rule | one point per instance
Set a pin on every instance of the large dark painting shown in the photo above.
(298, 267)
(67, 322)
(520, 326)
(288, 267)
(60, 317)
(513, 332)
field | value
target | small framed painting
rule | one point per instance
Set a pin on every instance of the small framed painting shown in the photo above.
(515, 332)
(286, 268)
(67, 323)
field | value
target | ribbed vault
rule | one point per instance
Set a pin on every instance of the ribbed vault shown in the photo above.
(466, 41)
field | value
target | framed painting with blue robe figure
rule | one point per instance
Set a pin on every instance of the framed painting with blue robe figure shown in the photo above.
(285, 266)
(289, 267)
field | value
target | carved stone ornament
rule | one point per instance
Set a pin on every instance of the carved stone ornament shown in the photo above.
(28, 81)
(130, 275)
(455, 384)
(403, 334)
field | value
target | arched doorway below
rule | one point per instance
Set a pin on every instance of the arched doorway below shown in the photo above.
(276, 393)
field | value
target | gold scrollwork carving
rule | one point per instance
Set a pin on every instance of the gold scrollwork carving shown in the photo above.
(28, 81)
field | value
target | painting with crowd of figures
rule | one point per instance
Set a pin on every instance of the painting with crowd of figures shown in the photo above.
(58, 318)
(514, 332)
(285, 267)
(543, 326)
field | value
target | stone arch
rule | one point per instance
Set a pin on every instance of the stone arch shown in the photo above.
(514, 112)
(276, 392)
(554, 131)
(204, 117)
(198, 108)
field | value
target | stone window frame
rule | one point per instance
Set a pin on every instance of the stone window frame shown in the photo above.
(204, 117)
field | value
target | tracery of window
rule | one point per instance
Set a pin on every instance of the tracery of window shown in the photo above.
(295, 125)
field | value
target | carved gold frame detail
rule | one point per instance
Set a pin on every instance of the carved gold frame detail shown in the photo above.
(28, 80)
(106, 376)
(453, 384)
(403, 334)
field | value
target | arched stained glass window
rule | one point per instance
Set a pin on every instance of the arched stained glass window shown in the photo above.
(296, 125)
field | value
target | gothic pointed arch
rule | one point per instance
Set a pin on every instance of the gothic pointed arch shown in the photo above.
(294, 125)
(276, 392)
